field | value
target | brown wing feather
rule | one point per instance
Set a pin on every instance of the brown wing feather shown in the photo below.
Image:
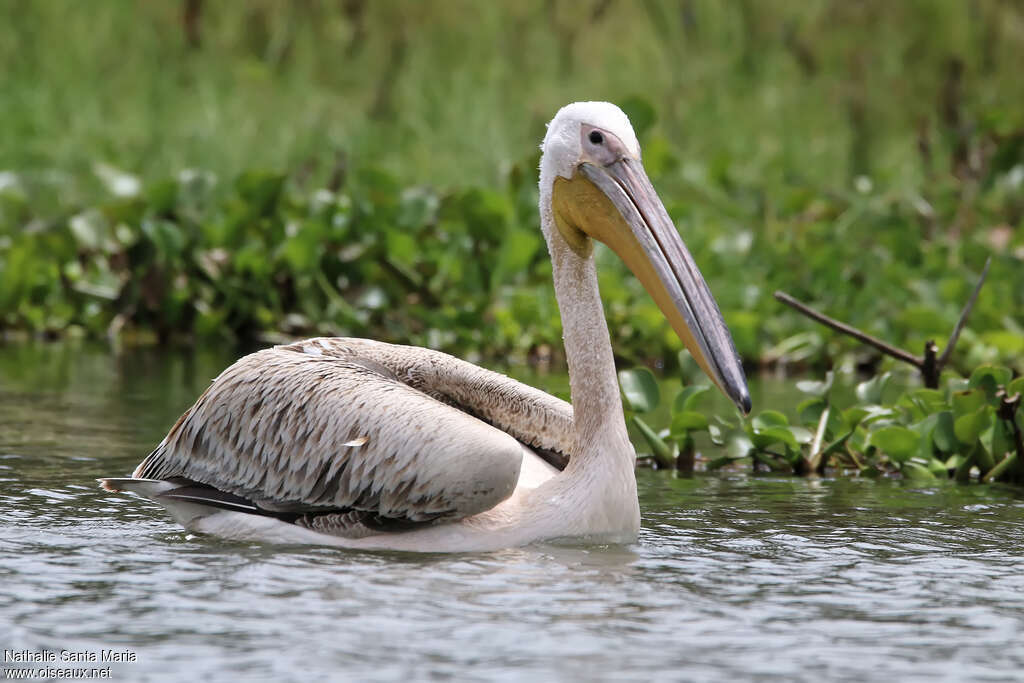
(308, 427)
(534, 417)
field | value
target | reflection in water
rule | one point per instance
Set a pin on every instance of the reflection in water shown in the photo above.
(734, 576)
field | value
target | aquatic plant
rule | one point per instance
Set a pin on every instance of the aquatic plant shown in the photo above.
(970, 428)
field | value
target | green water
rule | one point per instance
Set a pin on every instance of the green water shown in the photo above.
(734, 577)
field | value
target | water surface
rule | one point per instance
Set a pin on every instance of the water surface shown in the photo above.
(734, 577)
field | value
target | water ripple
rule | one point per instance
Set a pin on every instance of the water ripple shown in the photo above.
(733, 578)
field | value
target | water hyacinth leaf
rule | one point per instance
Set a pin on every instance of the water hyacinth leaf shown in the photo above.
(968, 402)
(810, 410)
(687, 398)
(872, 390)
(855, 415)
(167, 237)
(955, 384)
(796, 348)
(764, 437)
(716, 433)
(817, 388)
(837, 445)
(989, 378)
(418, 207)
(944, 435)
(739, 447)
(517, 253)
(90, 229)
(260, 189)
(640, 389)
(769, 418)
(917, 473)
(688, 421)
(955, 461)
(484, 213)
(661, 451)
(925, 428)
(898, 442)
(719, 462)
(997, 439)
(968, 428)
(924, 401)
(117, 182)
(1008, 343)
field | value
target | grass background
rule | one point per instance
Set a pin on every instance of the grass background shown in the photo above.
(866, 156)
(446, 92)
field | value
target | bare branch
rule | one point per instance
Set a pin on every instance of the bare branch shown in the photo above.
(887, 349)
(955, 336)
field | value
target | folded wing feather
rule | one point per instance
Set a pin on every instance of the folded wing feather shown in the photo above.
(348, 424)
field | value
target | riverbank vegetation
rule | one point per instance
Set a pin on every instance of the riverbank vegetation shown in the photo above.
(206, 173)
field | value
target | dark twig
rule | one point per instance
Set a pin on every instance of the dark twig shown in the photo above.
(338, 172)
(1008, 406)
(190, 21)
(964, 314)
(930, 365)
(882, 346)
(1007, 411)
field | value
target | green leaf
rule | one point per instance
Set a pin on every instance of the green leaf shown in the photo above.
(954, 384)
(659, 449)
(717, 434)
(968, 428)
(90, 229)
(944, 436)
(937, 467)
(801, 434)
(739, 447)
(260, 189)
(719, 462)
(917, 473)
(1015, 387)
(769, 418)
(687, 398)
(898, 442)
(955, 461)
(967, 402)
(167, 237)
(924, 401)
(766, 436)
(640, 389)
(816, 388)
(810, 410)
(989, 378)
(117, 182)
(688, 421)
(872, 390)
(997, 439)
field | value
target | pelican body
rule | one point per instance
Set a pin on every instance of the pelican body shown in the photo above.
(361, 444)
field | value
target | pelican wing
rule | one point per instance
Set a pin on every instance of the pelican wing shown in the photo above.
(351, 425)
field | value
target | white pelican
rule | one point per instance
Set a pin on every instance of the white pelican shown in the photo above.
(361, 444)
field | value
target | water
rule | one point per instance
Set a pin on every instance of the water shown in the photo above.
(734, 577)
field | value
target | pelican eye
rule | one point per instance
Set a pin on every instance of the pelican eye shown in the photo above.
(596, 137)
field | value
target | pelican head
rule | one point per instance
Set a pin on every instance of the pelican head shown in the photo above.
(595, 187)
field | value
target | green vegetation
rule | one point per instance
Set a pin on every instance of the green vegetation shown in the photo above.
(269, 169)
(971, 427)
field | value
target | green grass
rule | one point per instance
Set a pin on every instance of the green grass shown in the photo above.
(276, 85)
(865, 156)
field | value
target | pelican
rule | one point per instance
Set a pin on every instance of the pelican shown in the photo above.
(361, 444)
